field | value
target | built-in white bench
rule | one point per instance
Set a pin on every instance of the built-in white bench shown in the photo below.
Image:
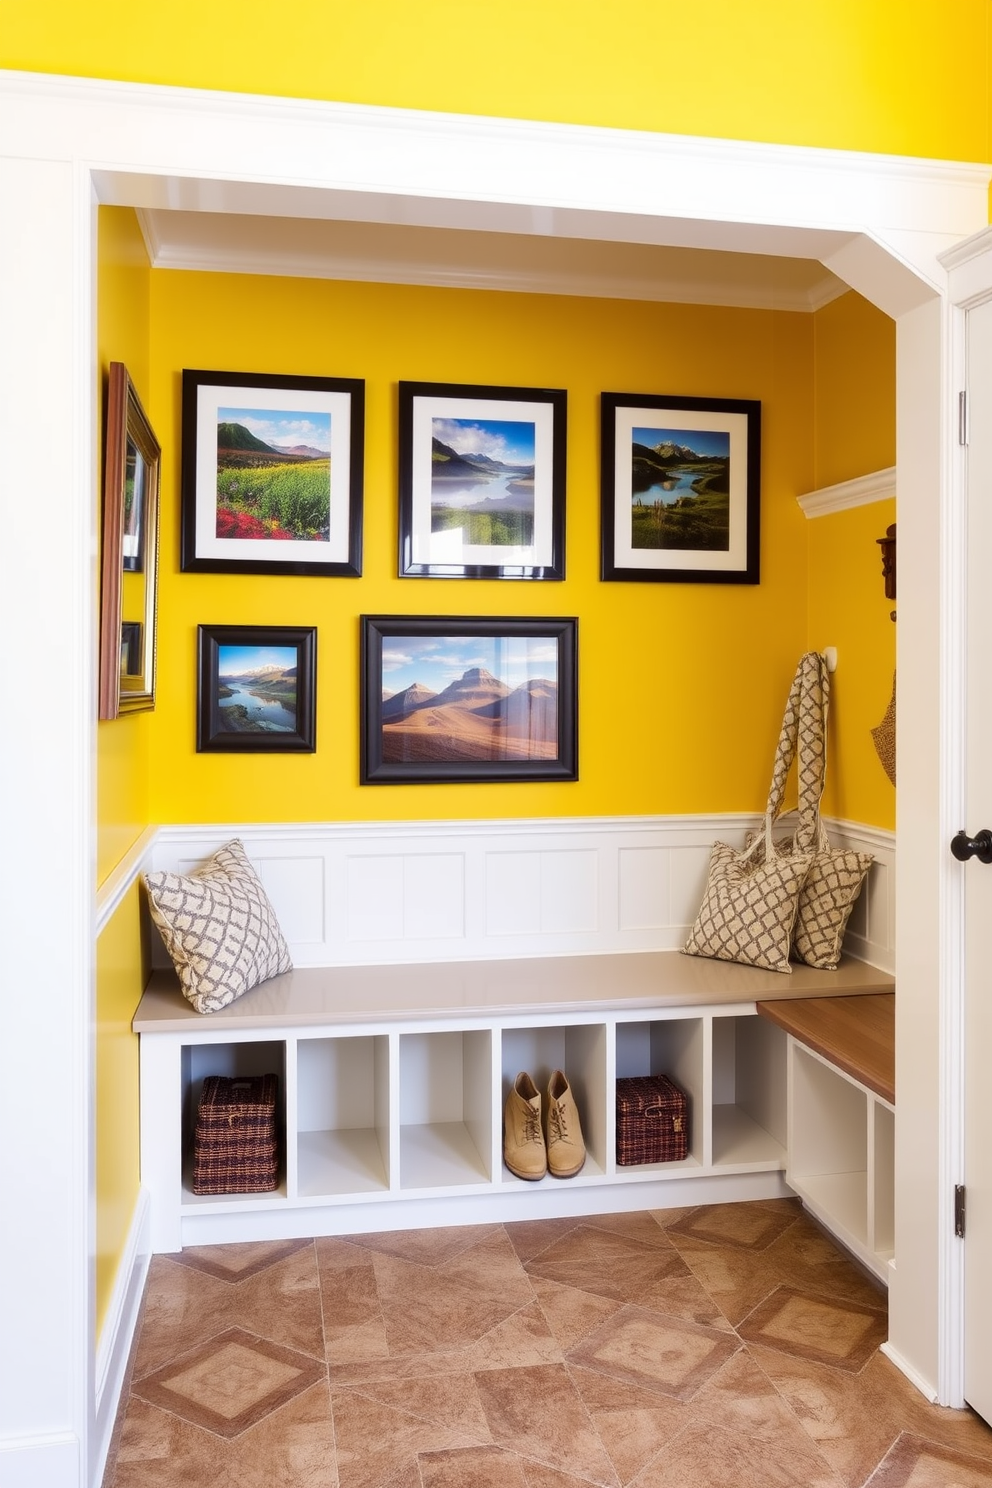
(393, 1079)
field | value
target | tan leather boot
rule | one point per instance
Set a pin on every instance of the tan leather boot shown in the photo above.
(562, 1129)
(523, 1140)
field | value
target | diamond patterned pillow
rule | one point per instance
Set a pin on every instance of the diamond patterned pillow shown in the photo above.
(219, 928)
(749, 907)
(826, 900)
(835, 878)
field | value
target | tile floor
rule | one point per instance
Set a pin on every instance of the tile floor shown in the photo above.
(731, 1345)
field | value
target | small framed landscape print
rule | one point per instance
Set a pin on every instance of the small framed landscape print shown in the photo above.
(272, 474)
(680, 489)
(255, 689)
(482, 481)
(468, 699)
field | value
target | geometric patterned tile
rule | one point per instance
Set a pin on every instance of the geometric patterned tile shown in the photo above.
(742, 1226)
(235, 1263)
(842, 1334)
(471, 1467)
(537, 1413)
(728, 1344)
(708, 1457)
(916, 1463)
(608, 1265)
(230, 1383)
(665, 1355)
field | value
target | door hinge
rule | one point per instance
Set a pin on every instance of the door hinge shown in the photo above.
(962, 418)
(959, 1210)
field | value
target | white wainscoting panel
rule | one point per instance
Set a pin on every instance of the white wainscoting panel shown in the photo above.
(372, 893)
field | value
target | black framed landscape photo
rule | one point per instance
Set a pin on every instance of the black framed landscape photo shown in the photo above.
(482, 481)
(478, 698)
(681, 499)
(255, 689)
(272, 474)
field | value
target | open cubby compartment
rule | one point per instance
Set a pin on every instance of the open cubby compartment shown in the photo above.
(342, 1115)
(579, 1050)
(749, 1092)
(666, 1046)
(883, 1180)
(828, 1158)
(446, 1108)
(234, 1060)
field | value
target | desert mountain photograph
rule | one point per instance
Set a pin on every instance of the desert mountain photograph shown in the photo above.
(474, 698)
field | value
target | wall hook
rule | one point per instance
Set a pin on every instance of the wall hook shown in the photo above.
(830, 658)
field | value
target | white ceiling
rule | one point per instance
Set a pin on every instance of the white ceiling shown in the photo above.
(400, 253)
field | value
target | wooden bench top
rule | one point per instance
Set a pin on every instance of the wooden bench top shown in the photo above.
(554, 985)
(855, 1033)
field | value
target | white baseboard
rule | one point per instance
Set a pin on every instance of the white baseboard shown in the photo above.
(373, 893)
(117, 1333)
(913, 1375)
(41, 1461)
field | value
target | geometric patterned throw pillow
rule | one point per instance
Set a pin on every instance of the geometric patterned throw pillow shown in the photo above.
(219, 928)
(826, 899)
(834, 882)
(749, 907)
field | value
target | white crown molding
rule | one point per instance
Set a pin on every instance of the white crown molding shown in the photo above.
(861, 491)
(390, 254)
(976, 246)
(898, 168)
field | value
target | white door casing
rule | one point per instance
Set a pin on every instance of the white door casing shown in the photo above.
(67, 143)
(971, 289)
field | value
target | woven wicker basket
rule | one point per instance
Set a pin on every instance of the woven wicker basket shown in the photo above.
(235, 1147)
(652, 1120)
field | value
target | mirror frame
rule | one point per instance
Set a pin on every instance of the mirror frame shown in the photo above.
(126, 692)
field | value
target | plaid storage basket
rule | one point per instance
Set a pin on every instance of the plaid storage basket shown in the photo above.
(235, 1147)
(652, 1120)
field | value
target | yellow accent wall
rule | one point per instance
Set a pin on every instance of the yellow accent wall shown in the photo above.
(851, 74)
(848, 609)
(854, 435)
(680, 685)
(854, 413)
(122, 744)
(121, 973)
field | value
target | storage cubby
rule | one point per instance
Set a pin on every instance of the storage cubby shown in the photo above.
(749, 1110)
(233, 1060)
(580, 1051)
(883, 1159)
(342, 1115)
(446, 1108)
(841, 1156)
(674, 1047)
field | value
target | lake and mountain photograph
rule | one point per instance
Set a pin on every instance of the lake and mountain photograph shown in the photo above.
(257, 689)
(680, 488)
(469, 698)
(273, 475)
(482, 480)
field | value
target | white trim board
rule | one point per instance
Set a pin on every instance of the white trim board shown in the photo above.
(117, 1334)
(385, 893)
(862, 491)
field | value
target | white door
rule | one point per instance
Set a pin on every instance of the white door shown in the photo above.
(978, 874)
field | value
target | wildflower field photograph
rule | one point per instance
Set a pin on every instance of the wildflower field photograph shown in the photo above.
(272, 473)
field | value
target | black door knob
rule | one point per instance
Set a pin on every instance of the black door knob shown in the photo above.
(980, 846)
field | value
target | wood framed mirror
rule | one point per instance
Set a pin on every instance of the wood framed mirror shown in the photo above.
(129, 590)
